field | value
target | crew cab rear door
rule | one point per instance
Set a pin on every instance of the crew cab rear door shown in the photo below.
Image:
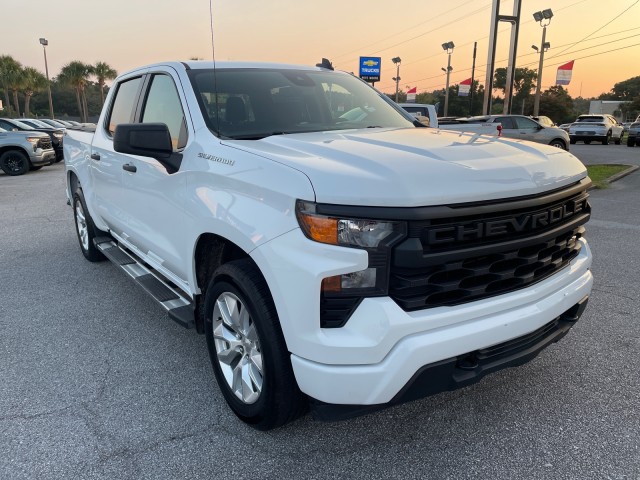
(106, 165)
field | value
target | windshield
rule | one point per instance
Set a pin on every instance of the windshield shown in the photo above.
(256, 103)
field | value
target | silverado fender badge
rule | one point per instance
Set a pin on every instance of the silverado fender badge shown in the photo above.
(213, 158)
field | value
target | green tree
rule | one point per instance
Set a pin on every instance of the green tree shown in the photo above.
(103, 72)
(10, 72)
(75, 74)
(523, 83)
(33, 81)
(627, 90)
(557, 104)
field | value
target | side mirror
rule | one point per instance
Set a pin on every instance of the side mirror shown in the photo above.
(147, 140)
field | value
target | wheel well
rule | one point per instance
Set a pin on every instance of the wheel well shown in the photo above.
(73, 182)
(15, 147)
(561, 140)
(211, 252)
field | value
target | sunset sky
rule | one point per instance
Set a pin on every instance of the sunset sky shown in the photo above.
(602, 37)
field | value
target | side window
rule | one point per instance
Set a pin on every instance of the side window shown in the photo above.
(507, 122)
(6, 125)
(163, 106)
(124, 104)
(526, 123)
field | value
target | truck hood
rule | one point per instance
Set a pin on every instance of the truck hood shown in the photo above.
(418, 167)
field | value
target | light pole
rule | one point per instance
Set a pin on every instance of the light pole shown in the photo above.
(544, 46)
(447, 47)
(397, 61)
(44, 42)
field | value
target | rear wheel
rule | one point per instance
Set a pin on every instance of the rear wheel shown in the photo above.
(631, 142)
(85, 228)
(14, 162)
(607, 139)
(247, 349)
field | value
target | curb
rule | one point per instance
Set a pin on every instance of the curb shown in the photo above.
(618, 176)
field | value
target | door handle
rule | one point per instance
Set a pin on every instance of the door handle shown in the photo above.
(129, 168)
(95, 156)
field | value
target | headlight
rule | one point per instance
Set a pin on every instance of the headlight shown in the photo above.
(341, 294)
(58, 135)
(348, 232)
(33, 140)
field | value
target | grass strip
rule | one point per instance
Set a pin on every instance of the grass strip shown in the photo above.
(600, 173)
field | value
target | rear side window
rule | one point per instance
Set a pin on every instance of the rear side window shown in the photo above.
(507, 122)
(525, 123)
(124, 104)
(163, 106)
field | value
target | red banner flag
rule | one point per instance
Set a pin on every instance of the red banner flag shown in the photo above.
(564, 73)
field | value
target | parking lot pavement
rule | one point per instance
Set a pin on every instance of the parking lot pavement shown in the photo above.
(597, 153)
(98, 383)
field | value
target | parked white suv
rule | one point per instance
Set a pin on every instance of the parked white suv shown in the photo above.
(601, 128)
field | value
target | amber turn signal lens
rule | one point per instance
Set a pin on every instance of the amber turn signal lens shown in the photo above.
(320, 229)
(332, 284)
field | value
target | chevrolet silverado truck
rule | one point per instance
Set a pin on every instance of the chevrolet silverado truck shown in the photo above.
(24, 151)
(338, 264)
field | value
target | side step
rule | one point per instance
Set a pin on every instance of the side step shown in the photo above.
(180, 308)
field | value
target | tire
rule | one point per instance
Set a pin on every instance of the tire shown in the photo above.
(618, 141)
(607, 139)
(85, 228)
(631, 142)
(558, 143)
(572, 141)
(247, 349)
(14, 162)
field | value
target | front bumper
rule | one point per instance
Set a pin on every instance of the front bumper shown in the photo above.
(369, 360)
(42, 157)
(464, 370)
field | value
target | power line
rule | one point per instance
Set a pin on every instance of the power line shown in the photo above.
(405, 30)
(597, 30)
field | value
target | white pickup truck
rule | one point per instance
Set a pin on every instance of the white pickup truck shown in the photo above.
(428, 115)
(346, 264)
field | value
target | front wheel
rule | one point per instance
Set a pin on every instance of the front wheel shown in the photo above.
(247, 349)
(14, 162)
(558, 144)
(85, 228)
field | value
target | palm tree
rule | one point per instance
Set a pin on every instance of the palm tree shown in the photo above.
(75, 75)
(10, 70)
(103, 71)
(33, 81)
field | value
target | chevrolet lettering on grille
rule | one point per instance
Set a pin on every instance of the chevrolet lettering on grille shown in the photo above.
(504, 226)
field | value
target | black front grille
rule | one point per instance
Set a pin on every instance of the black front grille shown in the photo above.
(44, 143)
(472, 257)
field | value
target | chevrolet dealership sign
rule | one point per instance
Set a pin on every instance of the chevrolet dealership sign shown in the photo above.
(370, 69)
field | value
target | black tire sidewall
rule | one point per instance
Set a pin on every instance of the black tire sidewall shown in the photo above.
(92, 253)
(23, 157)
(278, 399)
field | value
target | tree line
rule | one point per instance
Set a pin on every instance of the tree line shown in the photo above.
(74, 82)
(555, 102)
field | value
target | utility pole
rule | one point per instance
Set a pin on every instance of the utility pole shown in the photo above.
(473, 72)
(397, 61)
(544, 46)
(44, 42)
(447, 47)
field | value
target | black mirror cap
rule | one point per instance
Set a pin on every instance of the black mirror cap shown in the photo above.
(147, 140)
(144, 139)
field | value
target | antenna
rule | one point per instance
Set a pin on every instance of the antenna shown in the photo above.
(213, 57)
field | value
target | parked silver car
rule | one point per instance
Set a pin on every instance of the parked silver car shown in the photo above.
(525, 128)
(601, 128)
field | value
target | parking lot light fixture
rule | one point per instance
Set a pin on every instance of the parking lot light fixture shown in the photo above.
(397, 61)
(44, 42)
(540, 17)
(447, 47)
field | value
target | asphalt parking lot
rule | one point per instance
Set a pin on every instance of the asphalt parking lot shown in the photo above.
(97, 382)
